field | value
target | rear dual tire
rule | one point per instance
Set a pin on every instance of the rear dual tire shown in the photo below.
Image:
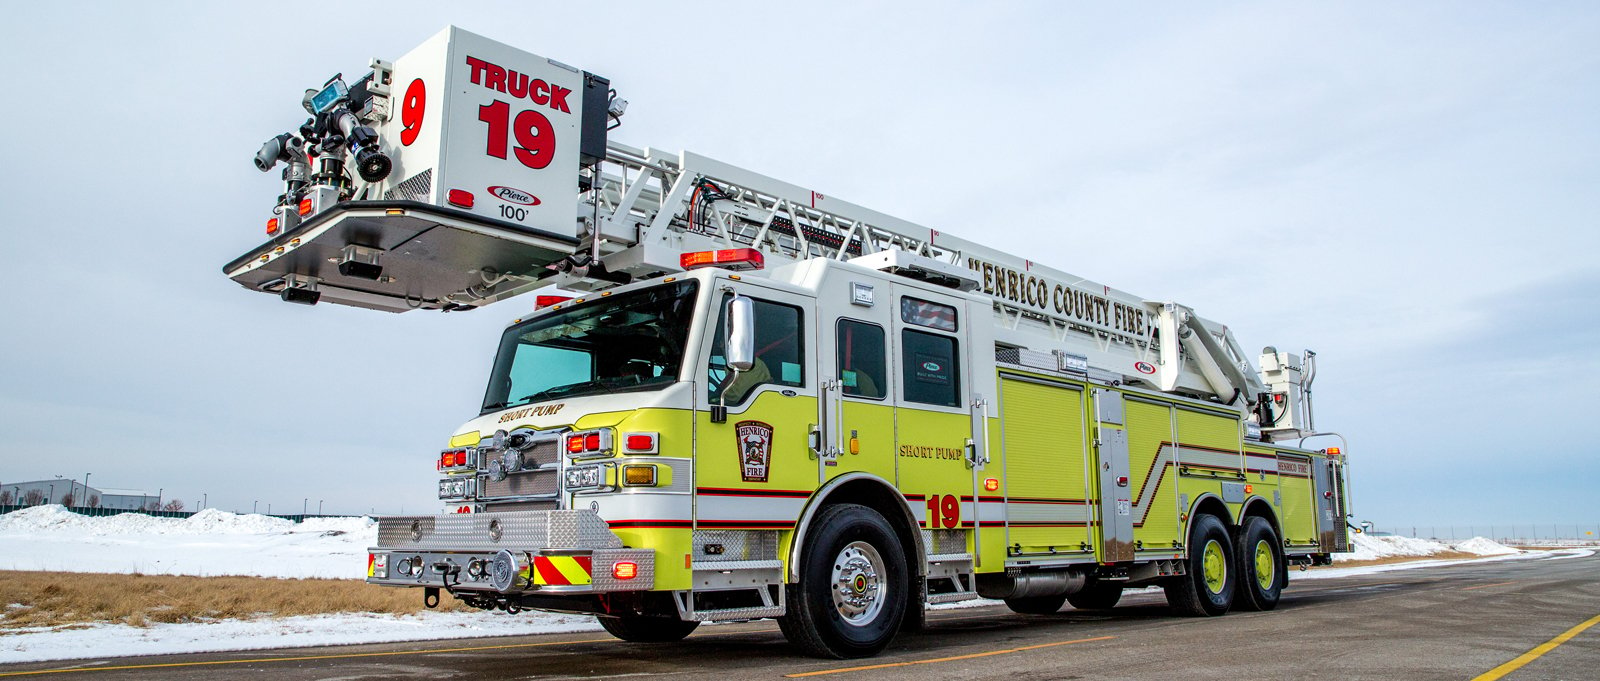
(1208, 587)
(1263, 572)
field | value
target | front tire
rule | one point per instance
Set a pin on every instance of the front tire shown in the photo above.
(647, 629)
(1207, 589)
(1262, 570)
(1096, 595)
(851, 596)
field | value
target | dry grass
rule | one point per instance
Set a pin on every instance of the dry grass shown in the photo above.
(1390, 560)
(46, 599)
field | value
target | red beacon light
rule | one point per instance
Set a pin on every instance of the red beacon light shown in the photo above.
(542, 302)
(730, 258)
(459, 198)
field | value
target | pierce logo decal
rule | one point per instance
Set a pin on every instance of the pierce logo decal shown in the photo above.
(514, 195)
(755, 450)
(1144, 367)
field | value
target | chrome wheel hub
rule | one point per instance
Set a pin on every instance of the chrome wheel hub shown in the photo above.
(858, 583)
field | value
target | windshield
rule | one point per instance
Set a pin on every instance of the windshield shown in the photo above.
(633, 341)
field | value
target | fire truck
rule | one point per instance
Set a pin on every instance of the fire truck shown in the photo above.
(729, 397)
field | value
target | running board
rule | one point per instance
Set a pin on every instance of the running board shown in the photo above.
(950, 578)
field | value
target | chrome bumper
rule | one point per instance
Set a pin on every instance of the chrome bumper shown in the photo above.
(549, 552)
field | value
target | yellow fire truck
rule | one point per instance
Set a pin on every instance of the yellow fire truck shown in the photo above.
(736, 398)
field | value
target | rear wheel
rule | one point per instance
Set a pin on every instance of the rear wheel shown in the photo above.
(1207, 590)
(1096, 595)
(851, 596)
(1036, 605)
(647, 629)
(1262, 570)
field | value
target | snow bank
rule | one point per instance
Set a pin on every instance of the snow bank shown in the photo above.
(1368, 547)
(1484, 547)
(121, 640)
(209, 543)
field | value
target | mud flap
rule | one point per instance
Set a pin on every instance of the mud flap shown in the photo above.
(407, 256)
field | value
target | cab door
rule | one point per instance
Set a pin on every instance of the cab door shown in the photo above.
(753, 467)
(857, 429)
(937, 452)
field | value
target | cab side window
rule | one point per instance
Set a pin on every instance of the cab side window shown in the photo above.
(930, 370)
(861, 359)
(780, 350)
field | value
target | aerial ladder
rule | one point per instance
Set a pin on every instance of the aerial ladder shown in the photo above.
(428, 224)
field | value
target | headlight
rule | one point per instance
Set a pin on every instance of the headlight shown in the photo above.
(585, 477)
(456, 488)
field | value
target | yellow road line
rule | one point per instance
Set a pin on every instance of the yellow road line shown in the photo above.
(1534, 654)
(1485, 586)
(954, 658)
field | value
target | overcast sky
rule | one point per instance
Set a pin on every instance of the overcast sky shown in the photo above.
(1410, 189)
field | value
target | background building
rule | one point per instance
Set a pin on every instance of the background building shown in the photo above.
(74, 493)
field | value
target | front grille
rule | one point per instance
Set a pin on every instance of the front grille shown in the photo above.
(541, 453)
(526, 483)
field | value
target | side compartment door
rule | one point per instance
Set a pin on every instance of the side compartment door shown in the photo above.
(1047, 468)
(1115, 481)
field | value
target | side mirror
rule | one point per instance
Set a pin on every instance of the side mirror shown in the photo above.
(741, 334)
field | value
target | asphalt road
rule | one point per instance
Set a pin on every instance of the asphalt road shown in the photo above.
(1451, 622)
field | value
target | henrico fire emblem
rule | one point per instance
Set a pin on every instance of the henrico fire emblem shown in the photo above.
(755, 449)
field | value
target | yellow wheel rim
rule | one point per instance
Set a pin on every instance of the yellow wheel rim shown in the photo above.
(1266, 568)
(1215, 563)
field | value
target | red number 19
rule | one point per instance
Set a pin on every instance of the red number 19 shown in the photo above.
(536, 138)
(944, 511)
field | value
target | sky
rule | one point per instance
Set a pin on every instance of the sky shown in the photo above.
(1412, 191)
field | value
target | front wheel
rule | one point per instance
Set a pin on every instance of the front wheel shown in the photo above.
(1207, 589)
(647, 629)
(851, 596)
(1262, 570)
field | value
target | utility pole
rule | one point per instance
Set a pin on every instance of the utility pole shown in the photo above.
(253, 505)
(304, 503)
(203, 499)
(319, 507)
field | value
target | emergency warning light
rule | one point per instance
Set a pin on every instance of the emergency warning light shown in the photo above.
(728, 258)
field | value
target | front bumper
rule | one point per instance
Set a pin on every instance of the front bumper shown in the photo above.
(546, 552)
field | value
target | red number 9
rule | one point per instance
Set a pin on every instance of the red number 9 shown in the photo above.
(412, 107)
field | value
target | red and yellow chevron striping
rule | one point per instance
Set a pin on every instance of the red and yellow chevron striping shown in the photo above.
(562, 570)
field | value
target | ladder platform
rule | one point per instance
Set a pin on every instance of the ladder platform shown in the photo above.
(427, 257)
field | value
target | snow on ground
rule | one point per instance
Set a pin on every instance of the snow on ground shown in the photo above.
(216, 542)
(209, 543)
